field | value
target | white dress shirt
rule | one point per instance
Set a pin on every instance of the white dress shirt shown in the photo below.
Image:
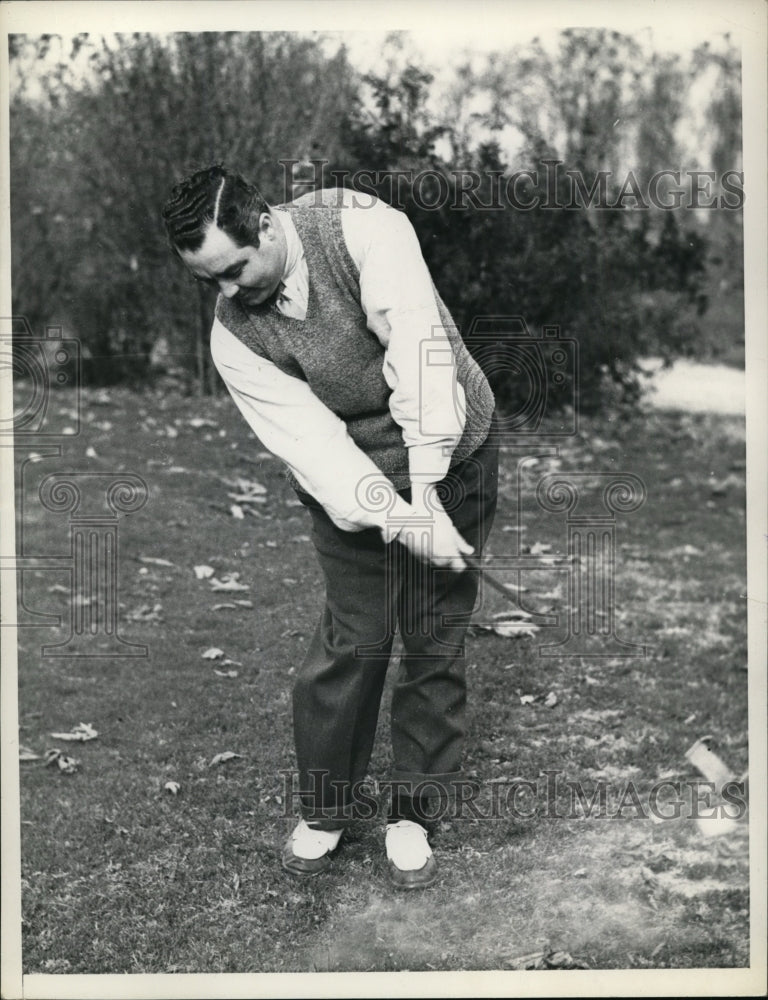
(426, 400)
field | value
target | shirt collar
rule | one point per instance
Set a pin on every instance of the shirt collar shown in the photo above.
(295, 274)
(294, 249)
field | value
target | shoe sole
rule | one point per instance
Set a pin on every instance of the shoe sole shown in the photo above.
(395, 873)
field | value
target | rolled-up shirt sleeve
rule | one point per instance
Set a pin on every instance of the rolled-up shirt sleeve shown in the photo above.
(398, 298)
(297, 427)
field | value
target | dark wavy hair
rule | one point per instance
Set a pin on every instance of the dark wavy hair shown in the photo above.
(213, 195)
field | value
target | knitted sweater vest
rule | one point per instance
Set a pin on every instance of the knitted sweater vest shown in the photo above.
(333, 350)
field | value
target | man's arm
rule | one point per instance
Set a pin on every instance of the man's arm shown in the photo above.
(299, 428)
(427, 401)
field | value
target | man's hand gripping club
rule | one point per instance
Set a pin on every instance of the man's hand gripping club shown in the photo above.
(431, 535)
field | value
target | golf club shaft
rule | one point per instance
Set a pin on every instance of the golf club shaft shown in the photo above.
(473, 562)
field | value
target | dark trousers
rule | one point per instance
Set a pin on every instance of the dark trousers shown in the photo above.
(371, 590)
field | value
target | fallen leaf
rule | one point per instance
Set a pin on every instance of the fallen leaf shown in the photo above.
(540, 960)
(221, 758)
(580, 873)
(527, 699)
(155, 561)
(237, 512)
(66, 764)
(247, 497)
(539, 548)
(81, 733)
(225, 673)
(228, 582)
(26, 754)
(145, 613)
(515, 630)
(222, 607)
(204, 572)
(172, 786)
(649, 876)
(551, 700)
(244, 604)
(214, 653)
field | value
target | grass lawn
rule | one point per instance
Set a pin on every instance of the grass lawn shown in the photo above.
(120, 875)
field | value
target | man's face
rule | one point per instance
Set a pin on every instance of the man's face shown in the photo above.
(250, 273)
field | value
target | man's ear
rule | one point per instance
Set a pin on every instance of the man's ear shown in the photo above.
(264, 226)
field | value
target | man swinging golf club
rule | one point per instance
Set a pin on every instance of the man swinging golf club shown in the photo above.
(343, 359)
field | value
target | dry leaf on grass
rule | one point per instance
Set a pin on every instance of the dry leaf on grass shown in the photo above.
(551, 700)
(172, 786)
(204, 572)
(155, 561)
(82, 733)
(237, 512)
(214, 653)
(538, 548)
(514, 630)
(225, 673)
(540, 960)
(146, 614)
(222, 758)
(248, 491)
(26, 754)
(228, 582)
(65, 763)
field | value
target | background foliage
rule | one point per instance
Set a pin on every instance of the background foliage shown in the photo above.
(94, 151)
